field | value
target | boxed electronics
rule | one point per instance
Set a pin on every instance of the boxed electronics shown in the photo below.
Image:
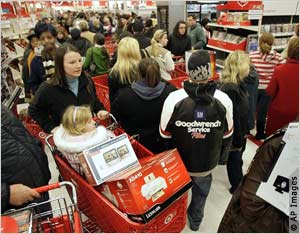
(108, 159)
(142, 194)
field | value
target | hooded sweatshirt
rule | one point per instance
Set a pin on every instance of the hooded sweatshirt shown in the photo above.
(96, 56)
(145, 92)
(81, 43)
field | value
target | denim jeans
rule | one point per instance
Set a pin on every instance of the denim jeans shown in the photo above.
(200, 190)
(235, 166)
(263, 101)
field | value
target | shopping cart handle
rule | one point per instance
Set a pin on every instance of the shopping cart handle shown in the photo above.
(47, 187)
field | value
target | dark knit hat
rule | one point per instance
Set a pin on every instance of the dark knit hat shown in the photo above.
(199, 65)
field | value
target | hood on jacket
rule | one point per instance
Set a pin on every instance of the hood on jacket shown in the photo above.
(76, 144)
(200, 92)
(145, 92)
(97, 51)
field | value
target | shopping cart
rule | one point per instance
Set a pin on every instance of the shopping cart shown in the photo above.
(58, 218)
(102, 79)
(178, 73)
(34, 129)
(102, 90)
(102, 93)
(177, 82)
(108, 218)
(179, 63)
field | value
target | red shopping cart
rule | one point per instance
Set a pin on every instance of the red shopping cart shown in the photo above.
(102, 90)
(34, 129)
(101, 80)
(60, 218)
(109, 219)
(178, 73)
(178, 82)
(105, 215)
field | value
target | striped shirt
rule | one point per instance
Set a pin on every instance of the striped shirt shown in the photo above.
(265, 65)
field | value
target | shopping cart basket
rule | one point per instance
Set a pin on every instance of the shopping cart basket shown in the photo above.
(101, 80)
(178, 73)
(102, 93)
(177, 82)
(59, 218)
(34, 129)
(109, 219)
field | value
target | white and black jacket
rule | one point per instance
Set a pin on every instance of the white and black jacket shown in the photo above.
(198, 118)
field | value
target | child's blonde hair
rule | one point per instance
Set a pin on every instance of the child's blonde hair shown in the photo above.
(75, 119)
(236, 67)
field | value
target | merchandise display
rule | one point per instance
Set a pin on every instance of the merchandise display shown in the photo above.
(143, 193)
(107, 160)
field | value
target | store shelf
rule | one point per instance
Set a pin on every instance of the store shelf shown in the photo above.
(279, 47)
(250, 28)
(218, 48)
(283, 34)
(220, 63)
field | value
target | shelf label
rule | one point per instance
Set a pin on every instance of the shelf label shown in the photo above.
(255, 14)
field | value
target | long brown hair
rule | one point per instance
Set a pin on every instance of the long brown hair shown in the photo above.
(150, 71)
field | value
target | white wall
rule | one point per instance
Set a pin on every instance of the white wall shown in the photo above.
(281, 7)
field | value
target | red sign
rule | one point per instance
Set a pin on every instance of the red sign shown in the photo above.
(240, 5)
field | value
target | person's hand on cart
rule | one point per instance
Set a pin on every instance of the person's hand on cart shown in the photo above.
(103, 114)
(21, 194)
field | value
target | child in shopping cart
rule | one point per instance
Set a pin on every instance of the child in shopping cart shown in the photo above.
(77, 133)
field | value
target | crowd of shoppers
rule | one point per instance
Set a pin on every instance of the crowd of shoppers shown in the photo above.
(251, 88)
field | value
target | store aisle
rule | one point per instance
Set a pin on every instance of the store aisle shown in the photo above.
(217, 200)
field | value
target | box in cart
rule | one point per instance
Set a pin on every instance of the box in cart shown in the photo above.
(143, 193)
(107, 160)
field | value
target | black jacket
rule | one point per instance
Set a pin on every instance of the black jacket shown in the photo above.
(51, 101)
(239, 97)
(23, 160)
(195, 118)
(140, 116)
(178, 45)
(143, 41)
(115, 84)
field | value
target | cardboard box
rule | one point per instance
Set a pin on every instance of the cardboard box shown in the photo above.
(144, 193)
(107, 160)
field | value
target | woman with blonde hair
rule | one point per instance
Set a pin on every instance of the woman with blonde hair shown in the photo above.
(284, 90)
(236, 69)
(163, 56)
(264, 60)
(77, 132)
(125, 70)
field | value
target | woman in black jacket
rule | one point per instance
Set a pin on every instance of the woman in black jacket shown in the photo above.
(236, 69)
(68, 87)
(179, 41)
(138, 107)
(24, 164)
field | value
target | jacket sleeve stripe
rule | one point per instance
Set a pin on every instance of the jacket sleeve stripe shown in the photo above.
(168, 109)
(164, 134)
